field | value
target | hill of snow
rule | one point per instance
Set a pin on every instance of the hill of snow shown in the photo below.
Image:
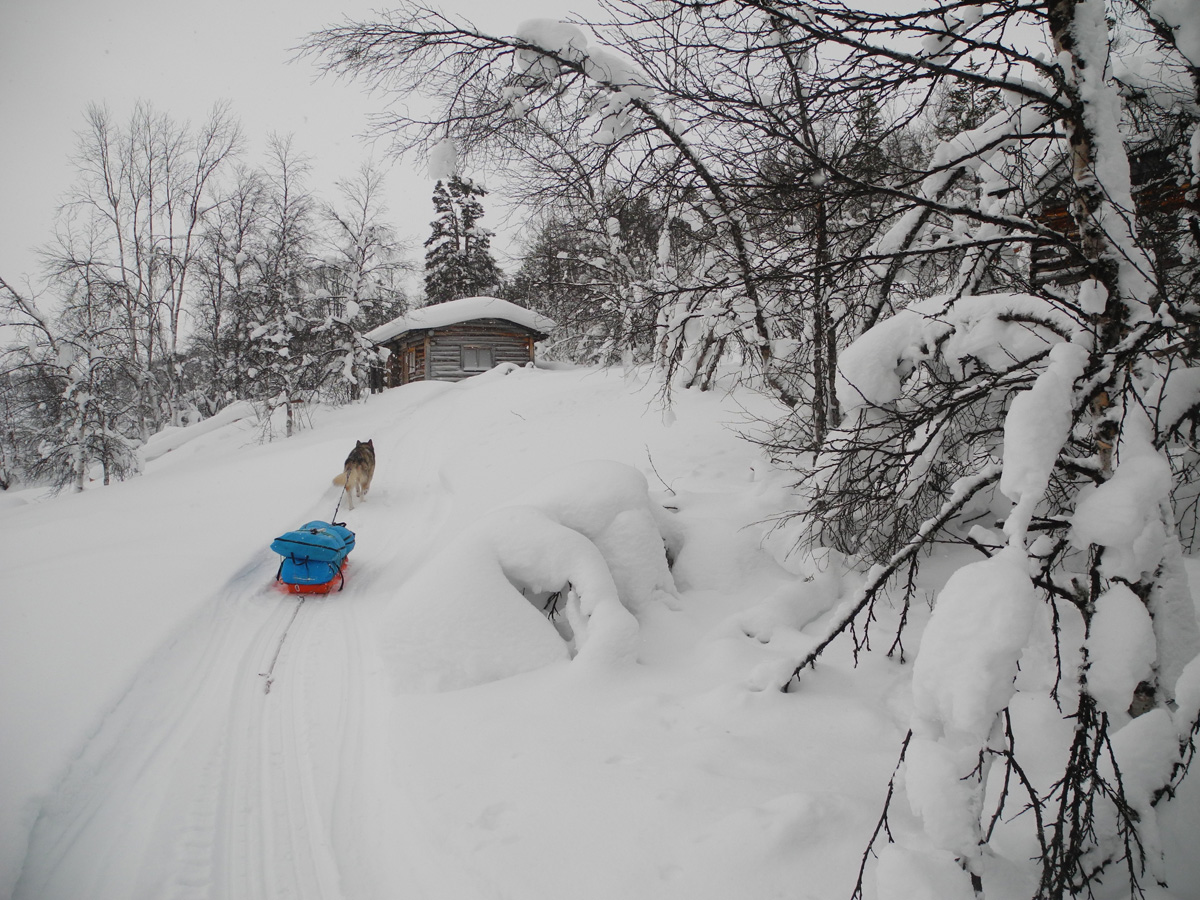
(176, 727)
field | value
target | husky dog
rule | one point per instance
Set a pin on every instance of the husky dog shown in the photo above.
(360, 466)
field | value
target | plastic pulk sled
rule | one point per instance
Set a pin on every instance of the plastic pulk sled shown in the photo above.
(314, 557)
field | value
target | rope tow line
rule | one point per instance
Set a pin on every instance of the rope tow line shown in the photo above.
(270, 673)
(341, 497)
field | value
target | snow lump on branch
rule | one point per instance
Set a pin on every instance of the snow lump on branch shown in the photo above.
(443, 160)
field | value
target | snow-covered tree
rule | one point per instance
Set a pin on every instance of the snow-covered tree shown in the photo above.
(285, 367)
(143, 196)
(227, 287)
(359, 275)
(1048, 407)
(458, 256)
(599, 267)
(955, 380)
(75, 384)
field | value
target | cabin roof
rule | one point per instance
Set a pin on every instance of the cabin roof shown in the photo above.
(453, 312)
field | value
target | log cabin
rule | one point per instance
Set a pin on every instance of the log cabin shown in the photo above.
(455, 340)
(1159, 192)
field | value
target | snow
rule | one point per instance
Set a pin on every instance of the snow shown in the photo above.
(1183, 17)
(1035, 430)
(561, 39)
(174, 438)
(431, 732)
(1088, 68)
(551, 43)
(915, 875)
(609, 503)
(964, 675)
(1187, 694)
(942, 794)
(965, 668)
(1178, 392)
(443, 160)
(454, 312)
(992, 330)
(871, 370)
(1145, 755)
(1121, 648)
(1176, 628)
(462, 618)
(1123, 514)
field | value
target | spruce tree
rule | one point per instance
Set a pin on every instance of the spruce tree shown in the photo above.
(458, 256)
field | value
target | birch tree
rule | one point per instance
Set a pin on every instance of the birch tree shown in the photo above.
(137, 209)
(359, 275)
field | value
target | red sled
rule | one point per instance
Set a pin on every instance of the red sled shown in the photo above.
(334, 583)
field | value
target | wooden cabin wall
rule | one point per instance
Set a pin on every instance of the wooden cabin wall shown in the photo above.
(508, 345)
(440, 350)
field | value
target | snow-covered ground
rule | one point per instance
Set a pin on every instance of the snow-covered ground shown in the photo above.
(173, 726)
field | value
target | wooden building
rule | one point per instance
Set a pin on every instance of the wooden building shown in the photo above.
(1160, 192)
(455, 340)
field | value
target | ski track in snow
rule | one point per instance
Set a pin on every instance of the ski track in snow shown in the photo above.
(273, 782)
(244, 815)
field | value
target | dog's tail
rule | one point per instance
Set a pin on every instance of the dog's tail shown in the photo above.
(340, 480)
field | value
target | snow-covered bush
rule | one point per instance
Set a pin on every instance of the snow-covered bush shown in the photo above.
(609, 503)
(529, 586)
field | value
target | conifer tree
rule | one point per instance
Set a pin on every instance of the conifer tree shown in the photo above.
(458, 256)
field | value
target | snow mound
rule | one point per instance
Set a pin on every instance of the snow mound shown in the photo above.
(905, 874)
(472, 614)
(609, 503)
(587, 546)
(172, 438)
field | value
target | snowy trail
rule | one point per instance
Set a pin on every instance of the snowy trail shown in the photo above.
(266, 792)
(249, 754)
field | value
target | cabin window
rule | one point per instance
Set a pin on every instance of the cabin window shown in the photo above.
(414, 364)
(477, 359)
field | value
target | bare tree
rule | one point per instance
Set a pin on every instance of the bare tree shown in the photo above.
(136, 211)
(487, 82)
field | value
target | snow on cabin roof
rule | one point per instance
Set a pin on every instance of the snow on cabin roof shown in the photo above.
(439, 315)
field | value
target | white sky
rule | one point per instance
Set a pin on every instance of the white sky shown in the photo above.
(56, 56)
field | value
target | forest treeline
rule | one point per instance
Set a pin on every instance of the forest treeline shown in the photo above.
(181, 278)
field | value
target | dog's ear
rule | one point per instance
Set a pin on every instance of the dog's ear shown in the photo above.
(371, 443)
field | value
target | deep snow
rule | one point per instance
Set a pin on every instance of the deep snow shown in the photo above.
(429, 732)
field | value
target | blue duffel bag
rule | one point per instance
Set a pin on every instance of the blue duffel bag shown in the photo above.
(314, 556)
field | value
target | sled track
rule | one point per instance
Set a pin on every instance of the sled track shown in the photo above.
(275, 840)
(269, 675)
(248, 758)
(233, 793)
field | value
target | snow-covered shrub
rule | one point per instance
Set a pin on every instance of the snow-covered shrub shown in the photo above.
(925, 394)
(465, 617)
(528, 586)
(609, 503)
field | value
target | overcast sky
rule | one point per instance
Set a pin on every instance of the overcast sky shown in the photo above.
(57, 56)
